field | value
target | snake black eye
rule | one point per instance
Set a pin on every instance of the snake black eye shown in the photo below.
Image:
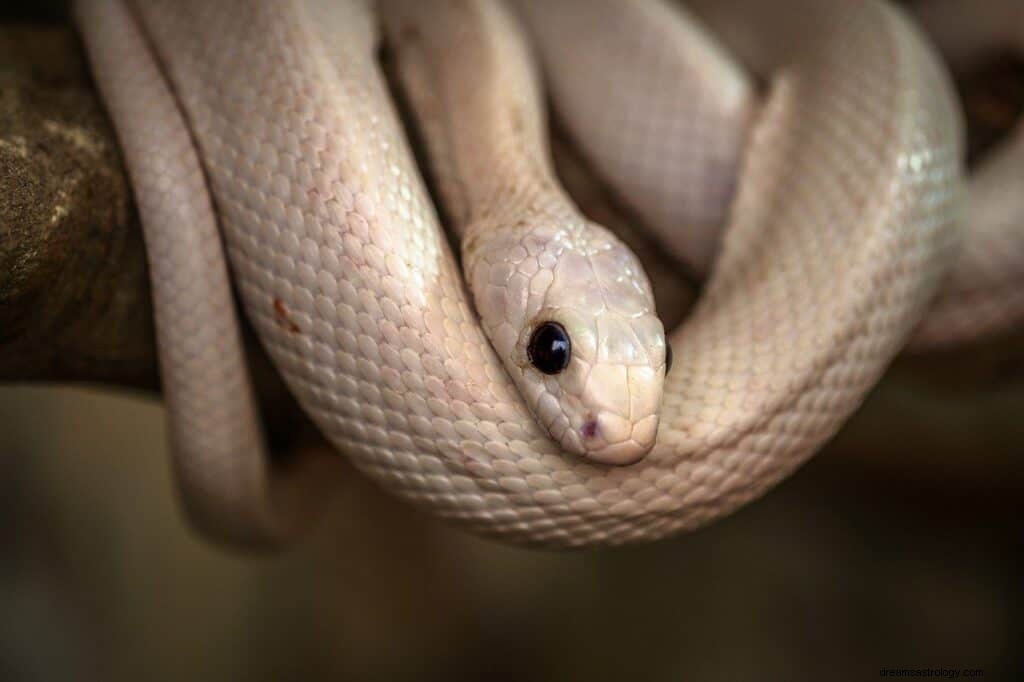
(550, 348)
(668, 358)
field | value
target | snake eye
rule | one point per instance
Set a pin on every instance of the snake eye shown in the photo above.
(668, 358)
(550, 348)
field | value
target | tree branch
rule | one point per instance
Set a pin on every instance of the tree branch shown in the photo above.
(74, 296)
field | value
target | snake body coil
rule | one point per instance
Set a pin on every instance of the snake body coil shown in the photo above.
(273, 119)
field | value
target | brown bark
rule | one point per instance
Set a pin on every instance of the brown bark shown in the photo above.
(74, 297)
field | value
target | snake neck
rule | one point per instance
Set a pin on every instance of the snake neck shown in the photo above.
(470, 81)
(531, 260)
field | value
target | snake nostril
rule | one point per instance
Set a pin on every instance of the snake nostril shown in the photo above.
(589, 429)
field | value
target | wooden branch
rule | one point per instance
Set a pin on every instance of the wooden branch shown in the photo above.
(74, 295)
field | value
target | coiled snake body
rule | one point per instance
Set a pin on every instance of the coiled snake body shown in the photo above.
(273, 120)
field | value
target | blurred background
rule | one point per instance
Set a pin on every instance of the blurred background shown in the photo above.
(893, 548)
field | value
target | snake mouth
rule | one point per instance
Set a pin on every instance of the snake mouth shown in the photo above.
(609, 439)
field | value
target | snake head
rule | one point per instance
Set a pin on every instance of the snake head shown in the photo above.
(574, 323)
(604, 401)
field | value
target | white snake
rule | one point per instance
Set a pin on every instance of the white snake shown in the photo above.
(273, 120)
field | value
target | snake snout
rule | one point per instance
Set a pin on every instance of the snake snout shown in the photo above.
(610, 439)
(622, 389)
(622, 424)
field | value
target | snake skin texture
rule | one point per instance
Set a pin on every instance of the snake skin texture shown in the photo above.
(984, 293)
(844, 220)
(528, 254)
(221, 466)
(671, 138)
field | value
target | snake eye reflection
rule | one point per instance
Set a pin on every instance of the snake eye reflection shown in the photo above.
(550, 348)
(668, 358)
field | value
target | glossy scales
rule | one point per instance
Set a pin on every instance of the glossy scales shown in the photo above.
(843, 223)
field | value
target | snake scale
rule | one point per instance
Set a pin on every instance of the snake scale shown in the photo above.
(817, 184)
